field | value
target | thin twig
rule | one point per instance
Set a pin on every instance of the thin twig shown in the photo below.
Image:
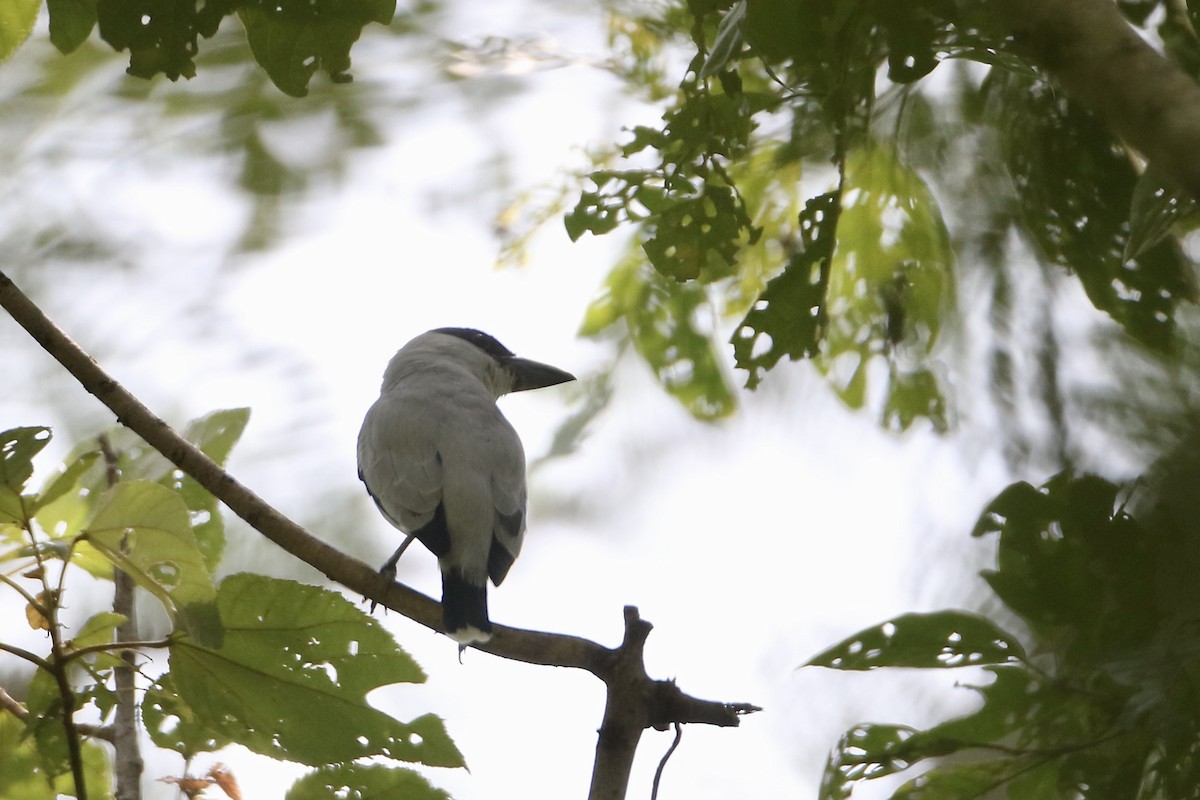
(663, 763)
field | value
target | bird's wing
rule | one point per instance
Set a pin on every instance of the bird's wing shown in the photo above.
(398, 460)
(508, 527)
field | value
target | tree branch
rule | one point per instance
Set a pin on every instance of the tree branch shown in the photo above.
(635, 701)
(1092, 52)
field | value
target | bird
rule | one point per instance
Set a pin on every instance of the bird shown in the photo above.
(446, 468)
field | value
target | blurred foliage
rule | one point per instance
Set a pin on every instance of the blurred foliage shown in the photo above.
(252, 660)
(809, 178)
(1102, 700)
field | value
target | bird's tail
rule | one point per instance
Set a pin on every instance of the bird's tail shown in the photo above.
(464, 608)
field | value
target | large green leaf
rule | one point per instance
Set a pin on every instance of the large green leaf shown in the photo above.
(933, 640)
(890, 285)
(144, 529)
(291, 678)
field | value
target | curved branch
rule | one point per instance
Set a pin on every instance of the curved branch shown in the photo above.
(635, 701)
(1100, 61)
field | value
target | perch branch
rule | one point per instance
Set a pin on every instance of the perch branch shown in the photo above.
(635, 701)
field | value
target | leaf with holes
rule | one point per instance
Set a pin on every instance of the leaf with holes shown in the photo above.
(291, 679)
(936, 639)
(789, 317)
(18, 446)
(864, 752)
(144, 529)
(292, 39)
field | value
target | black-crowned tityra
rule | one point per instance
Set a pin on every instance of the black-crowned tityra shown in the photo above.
(445, 466)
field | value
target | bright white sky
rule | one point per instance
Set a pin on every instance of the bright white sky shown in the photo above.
(750, 544)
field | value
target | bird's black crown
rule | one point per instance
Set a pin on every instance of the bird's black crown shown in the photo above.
(483, 341)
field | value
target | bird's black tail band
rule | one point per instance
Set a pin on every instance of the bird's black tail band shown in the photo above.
(464, 608)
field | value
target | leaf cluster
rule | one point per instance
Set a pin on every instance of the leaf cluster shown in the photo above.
(1096, 698)
(806, 180)
(290, 39)
(279, 667)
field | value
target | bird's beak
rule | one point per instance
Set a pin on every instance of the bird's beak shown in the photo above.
(535, 375)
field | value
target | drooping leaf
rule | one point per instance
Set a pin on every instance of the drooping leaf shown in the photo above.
(363, 782)
(71, 23)
(291, 678)
(932, 640)
(292, 39)
(18, 446)
(790, 316)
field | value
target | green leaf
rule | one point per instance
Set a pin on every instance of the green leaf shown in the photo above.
(363, 782)
(864, 752)
(790, 316)
(971, 779)
(291, 678)
(890, 285)
(938, 639)
(292, 39)
(71, 23)
(18, 446)
(17, 18)
(728, 44)
(172, 724)
(662, 317)
(21, 777)
(144, 529)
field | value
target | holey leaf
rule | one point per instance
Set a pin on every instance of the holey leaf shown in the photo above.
(292, 675)
(144, 528)
(933, 640)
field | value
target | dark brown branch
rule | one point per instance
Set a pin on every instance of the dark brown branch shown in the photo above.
(635, 701)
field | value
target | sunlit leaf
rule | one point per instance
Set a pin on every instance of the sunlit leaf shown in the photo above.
(17, 18)
(890, 286)
(291, 678)
(363, 782)
(933, 640)
(144, 529)
(662, 316)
